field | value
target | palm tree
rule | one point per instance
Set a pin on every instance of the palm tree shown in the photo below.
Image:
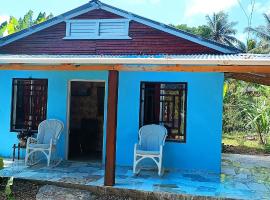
(222, 30)
(263, 33)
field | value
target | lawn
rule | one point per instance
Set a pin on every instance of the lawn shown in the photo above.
(241, 144)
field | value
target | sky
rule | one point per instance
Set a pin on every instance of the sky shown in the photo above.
(190, 12)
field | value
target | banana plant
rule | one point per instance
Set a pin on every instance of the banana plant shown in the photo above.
(258, 115)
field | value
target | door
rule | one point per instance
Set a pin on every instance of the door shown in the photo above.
(86, 119)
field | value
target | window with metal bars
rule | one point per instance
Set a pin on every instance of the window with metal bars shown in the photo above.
(165, 104)
(29, 104)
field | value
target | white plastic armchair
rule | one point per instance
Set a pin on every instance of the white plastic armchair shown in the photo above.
(47, 137)
(151, 141)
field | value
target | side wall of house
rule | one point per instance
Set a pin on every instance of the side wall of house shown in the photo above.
(57, 107)
(202, 151)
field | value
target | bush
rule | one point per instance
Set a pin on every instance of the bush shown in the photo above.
(1, 163)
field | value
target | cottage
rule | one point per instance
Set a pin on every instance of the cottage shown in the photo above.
(106, 72)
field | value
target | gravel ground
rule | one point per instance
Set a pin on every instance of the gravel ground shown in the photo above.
(26, 190)
(23, 190)
(50, 192)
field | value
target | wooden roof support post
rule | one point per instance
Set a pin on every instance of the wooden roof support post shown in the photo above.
(109, 179)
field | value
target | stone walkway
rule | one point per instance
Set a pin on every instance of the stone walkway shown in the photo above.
(243, 177)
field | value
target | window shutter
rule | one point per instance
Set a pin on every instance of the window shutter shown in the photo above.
(112, 28)
(83, 29)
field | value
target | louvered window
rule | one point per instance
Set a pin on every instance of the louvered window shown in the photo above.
(97, 29)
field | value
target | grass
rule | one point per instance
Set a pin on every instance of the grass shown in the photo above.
(238, 143)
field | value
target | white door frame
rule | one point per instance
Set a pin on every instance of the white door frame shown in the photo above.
(68, 111)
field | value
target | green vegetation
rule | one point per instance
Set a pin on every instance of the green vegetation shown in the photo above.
(246, 117)
(222, 30)
(241, 143)
(15, 25)
(1, 163)
(262, 32)
(202, 31)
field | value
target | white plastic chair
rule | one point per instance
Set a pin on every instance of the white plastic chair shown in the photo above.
(48, 135)
(151, 141)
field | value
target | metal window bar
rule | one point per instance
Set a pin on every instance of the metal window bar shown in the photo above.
(33, 104)
(172, 107)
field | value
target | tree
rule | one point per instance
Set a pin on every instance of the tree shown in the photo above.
(258, 115)
(249, 46)
(222, 30)
(3, 28)
(26, 21)
(263, 33)
(246, 109)
(203, 31)
(14, 25)
(42, 17)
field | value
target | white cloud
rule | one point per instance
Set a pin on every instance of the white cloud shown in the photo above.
(3, 18)
(195, 7)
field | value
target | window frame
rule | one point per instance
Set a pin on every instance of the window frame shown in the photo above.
(184, 141)
(13, 99)
(97, 36)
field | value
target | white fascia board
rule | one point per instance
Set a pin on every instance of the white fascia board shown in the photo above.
(134, 61)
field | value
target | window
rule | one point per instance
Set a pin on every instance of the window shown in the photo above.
(97, 29)
(29, 103)
(165, 104)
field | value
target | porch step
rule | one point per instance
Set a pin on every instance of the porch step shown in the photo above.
(51, 192)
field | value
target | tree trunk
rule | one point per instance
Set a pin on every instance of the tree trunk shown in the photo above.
(261, 138)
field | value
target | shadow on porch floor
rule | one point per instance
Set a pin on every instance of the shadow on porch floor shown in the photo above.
(243, 177)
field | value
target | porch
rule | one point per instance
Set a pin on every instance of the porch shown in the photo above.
(243, 177)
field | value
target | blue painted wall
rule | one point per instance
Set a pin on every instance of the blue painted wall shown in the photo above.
(57, 102)
(204, 114)
(202, 150)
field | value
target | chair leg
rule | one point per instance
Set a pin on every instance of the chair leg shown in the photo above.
(26, 157)
(134, 164)
(160, 169)
(49, 158)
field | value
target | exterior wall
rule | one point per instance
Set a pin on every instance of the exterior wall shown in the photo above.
(204, 114)
(145, 40)
(202, 151)
(57, 102)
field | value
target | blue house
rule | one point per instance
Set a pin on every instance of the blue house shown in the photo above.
(106, 72)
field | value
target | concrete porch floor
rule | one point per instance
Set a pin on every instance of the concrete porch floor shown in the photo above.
(243, 177)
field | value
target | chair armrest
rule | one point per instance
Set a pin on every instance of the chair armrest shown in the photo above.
(31, 140)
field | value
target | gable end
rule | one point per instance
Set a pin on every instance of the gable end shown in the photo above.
(80, 26)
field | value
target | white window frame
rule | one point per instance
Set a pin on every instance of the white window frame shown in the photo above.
(96, 36)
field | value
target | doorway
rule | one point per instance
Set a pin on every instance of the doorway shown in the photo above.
(86, 119)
